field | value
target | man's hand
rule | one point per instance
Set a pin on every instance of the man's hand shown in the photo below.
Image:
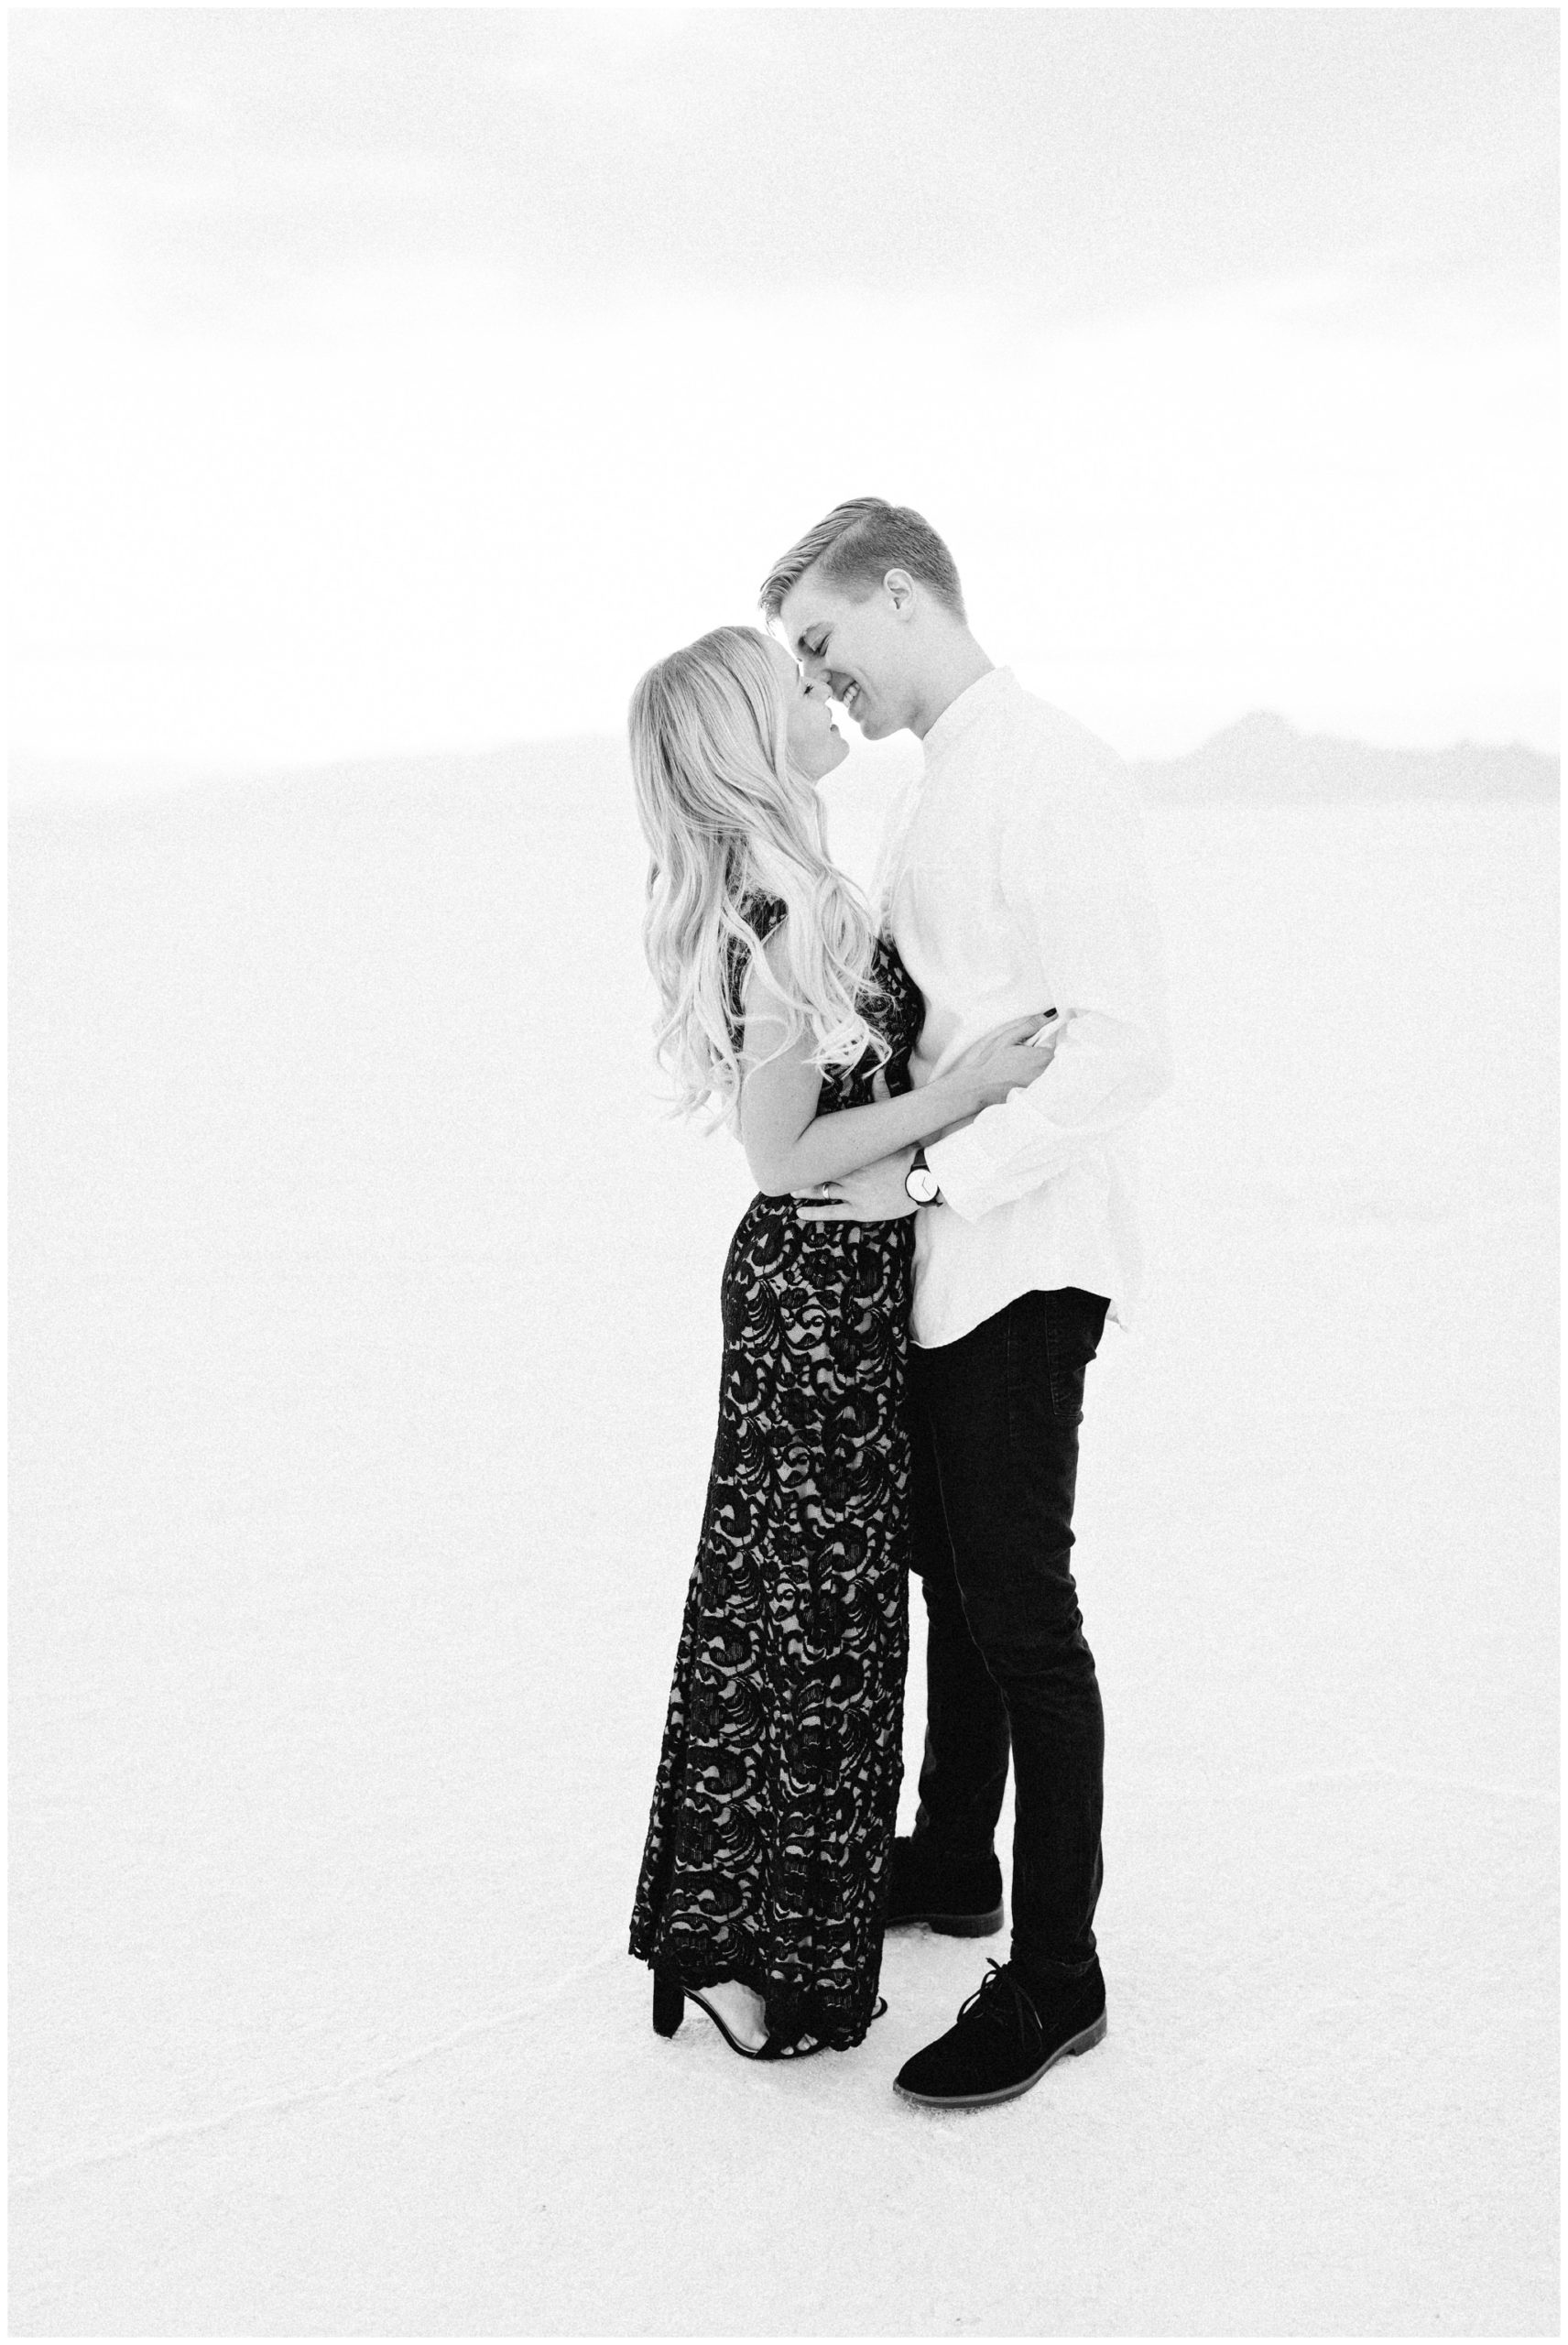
(876, 1192)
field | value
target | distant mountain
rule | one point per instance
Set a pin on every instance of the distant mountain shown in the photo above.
(589, 761)
(1264, 759)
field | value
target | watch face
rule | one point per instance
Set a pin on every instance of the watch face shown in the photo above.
(922, 1185)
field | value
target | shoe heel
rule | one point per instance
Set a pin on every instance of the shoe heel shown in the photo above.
(966, 1926)
(669, 2005)
(1093, 2033)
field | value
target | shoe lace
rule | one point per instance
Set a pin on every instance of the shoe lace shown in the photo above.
(1001, 2002)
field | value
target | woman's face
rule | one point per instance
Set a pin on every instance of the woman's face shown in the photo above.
(815, 744)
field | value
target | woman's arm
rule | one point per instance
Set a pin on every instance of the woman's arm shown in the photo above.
(789, 1146)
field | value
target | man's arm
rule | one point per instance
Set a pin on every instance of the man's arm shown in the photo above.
(1073, 878)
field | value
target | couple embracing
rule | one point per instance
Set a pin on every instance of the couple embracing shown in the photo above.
(930, 1102)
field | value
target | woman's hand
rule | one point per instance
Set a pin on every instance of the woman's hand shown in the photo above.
(999, 1061)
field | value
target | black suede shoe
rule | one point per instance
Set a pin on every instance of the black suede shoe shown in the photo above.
(1004, 2041)
(959, 1900)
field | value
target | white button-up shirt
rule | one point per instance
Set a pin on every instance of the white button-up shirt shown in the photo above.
(1012, 878)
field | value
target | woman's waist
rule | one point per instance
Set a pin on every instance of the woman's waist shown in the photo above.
(785, 1211)
(773, 1225)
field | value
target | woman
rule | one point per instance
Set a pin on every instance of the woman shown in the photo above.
(764, 1873)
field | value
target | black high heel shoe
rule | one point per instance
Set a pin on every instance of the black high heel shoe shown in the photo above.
(669, 2005)
(670, 2010)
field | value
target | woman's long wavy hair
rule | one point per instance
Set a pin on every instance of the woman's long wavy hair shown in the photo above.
(726, 817)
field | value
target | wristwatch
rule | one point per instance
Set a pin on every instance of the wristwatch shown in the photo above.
(920, 1183)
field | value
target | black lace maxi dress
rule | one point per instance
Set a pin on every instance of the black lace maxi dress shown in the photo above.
(769, 1843)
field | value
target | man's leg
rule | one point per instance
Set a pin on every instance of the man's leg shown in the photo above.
(1003, 1406)
(963, 1772)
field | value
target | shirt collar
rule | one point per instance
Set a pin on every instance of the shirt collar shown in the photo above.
(958, 717)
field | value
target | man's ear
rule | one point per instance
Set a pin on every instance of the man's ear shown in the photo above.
(901, 587)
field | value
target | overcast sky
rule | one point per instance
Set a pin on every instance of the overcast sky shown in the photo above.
(394, 379)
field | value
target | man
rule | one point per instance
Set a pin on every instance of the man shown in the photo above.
(1012, 879)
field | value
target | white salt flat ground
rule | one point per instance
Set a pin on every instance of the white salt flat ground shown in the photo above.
(366, 1359)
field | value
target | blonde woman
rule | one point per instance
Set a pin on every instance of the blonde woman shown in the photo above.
(765, 1874)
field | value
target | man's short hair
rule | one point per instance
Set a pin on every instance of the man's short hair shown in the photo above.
(859, 543)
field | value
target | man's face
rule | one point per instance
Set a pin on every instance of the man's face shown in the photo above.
(862, 649)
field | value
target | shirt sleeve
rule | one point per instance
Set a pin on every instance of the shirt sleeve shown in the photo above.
(1074, 879)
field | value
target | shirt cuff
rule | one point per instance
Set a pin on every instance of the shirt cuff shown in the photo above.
(1002, 1155)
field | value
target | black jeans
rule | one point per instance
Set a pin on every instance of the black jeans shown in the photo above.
(994, 1421)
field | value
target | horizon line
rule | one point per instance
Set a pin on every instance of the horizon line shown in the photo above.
(178, 770)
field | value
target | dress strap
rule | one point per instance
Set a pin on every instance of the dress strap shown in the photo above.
(766, 913)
